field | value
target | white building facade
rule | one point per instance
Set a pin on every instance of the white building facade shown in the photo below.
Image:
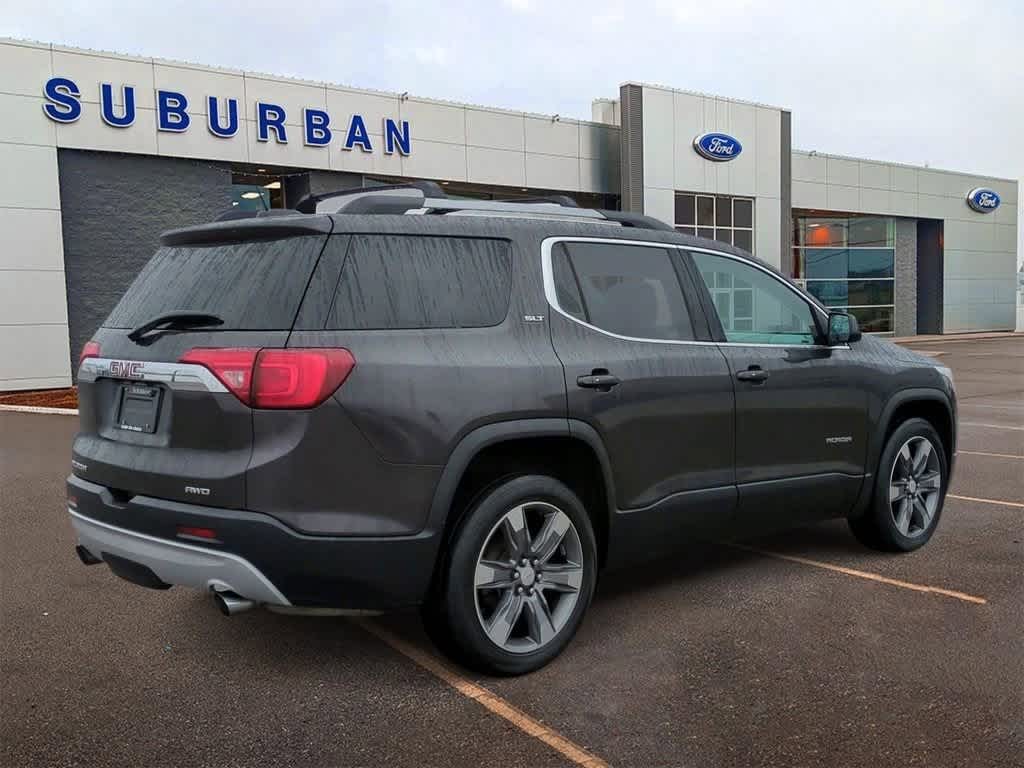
(101, 152)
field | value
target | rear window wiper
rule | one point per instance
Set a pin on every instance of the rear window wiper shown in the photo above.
(179, 320)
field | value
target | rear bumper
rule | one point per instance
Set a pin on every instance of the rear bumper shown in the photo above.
(172, 562)
(254, 555)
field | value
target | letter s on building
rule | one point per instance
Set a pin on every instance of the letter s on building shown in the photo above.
(62, 100)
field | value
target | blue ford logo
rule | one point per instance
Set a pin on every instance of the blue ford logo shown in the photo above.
(983, 200)
(717, 146)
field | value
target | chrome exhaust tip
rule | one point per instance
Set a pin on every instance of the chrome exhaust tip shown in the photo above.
(87, 557)
(229, 603)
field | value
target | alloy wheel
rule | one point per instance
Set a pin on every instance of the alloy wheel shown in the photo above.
(915, 485)
(528, 577)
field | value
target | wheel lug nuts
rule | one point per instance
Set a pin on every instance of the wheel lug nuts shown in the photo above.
(519, 590)
(515, 575)
(535, 561)
(540, 576)
(524, 562)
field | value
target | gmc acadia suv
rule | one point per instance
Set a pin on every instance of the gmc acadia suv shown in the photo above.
(392, 398)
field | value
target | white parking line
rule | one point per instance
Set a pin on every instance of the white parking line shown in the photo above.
(39, 409)
(994, 455)
(989, 426)
(1014, 407)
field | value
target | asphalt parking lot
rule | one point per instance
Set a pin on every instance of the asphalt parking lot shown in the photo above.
(803, 649)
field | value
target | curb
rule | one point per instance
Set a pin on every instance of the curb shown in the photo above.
(39, 409)
(980, 336)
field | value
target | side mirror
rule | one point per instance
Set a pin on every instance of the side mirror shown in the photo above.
(842, 328)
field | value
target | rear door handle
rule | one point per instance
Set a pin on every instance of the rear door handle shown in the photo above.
(753, 374)
(601, 381)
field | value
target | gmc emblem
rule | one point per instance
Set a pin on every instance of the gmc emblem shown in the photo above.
(125, 369)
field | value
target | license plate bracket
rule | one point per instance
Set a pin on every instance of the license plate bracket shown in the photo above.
(139, 408)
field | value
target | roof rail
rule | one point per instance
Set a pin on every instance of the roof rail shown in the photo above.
(329, 202)
(483, 207)
(563, 200)
(638, 220)
(429, 198)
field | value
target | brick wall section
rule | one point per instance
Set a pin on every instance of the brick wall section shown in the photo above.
(905, 322)
(297, 186)
(114, 208)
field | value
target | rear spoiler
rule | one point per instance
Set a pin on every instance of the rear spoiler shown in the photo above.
(290, 224)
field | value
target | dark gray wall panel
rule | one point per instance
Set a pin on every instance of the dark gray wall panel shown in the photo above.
(786, 193)
(321, 182)
(113, 209)
(297, 186)
(930, 271)
(631, 153)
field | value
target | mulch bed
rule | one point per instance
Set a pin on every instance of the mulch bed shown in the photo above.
(43, 398)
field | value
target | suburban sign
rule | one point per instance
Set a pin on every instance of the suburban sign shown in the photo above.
(63, 105)
(717, 146)
(983, 200)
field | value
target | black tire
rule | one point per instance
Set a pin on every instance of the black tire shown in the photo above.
(451, 615)
(877, 527)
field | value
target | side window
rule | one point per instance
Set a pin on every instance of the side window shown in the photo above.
(567, 290)
(630, 290)
(401, 281)
(753, 306)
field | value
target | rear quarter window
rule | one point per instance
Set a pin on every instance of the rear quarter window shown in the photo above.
(402, 281)
(252, 286)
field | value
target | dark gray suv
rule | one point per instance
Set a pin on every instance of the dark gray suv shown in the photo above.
(392, 398)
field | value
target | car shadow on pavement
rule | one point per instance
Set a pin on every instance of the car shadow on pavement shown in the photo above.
(701, 558)
(288, 643)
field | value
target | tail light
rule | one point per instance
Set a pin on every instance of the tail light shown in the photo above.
(277, 378)
(89, 349)
(232, 366)
(298, 378)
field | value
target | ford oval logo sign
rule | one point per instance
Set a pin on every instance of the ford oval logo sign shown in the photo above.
(717, 146)
(983, 200)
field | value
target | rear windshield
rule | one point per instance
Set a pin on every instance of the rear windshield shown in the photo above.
(251, 286)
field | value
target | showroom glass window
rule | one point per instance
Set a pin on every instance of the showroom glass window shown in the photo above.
(256, 191)
(753, 306)
(848, 263)
(717, 217)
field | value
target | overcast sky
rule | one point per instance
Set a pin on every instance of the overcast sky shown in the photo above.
(938, 82)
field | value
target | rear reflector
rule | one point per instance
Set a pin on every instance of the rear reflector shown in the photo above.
(198, 533)
(277, 378)
(89, 349)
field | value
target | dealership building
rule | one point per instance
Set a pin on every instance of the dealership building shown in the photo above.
(102, 152)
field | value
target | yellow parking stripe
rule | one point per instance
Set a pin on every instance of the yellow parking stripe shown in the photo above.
(995, 455)
(989, 426)
(986, 501)
(866, 575)
(497, 705)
